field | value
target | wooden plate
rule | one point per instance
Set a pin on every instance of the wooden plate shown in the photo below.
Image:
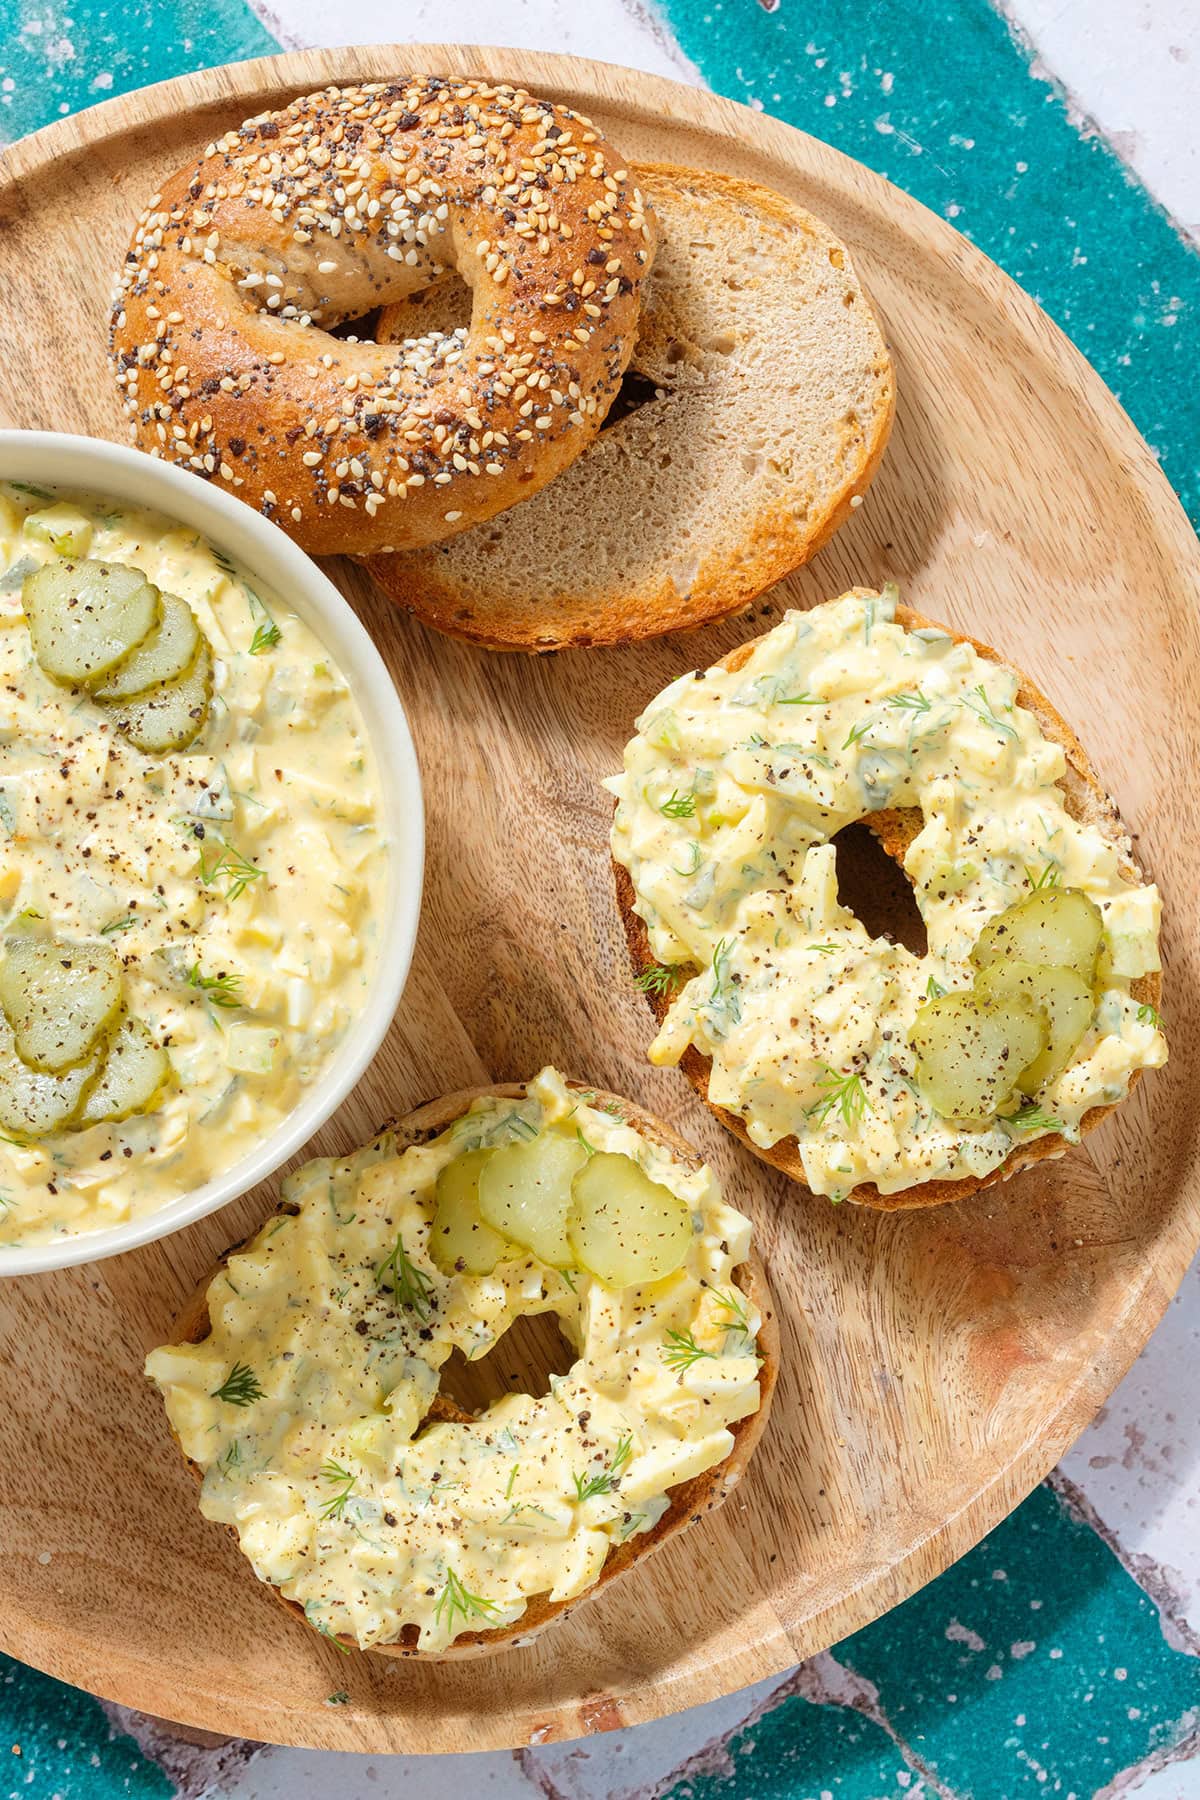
(934, 1365)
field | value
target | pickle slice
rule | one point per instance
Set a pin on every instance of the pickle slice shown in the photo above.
(33, 1105)
(171, 716)
(58, 998)
(1064, 999)
(460, 1240)
(971, 1053)
(1058, 927)
(85, 617)
(165, 655)
(132, 1079)
(624, 1228)
(525, 1194)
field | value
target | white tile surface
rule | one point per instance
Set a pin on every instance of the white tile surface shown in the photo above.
(1139, 1463)
(617, 31)
(1132, 68)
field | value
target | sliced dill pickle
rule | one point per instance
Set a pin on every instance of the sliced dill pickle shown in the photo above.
(525, 1193)
(132, 1079)
(970, 1053)
(58, 999)
(165, 655)
(460, 1239)
(85, 617)
(171, 716)
(1060, 928)
(624, 1228)
(33, 1105)
(1062, 996)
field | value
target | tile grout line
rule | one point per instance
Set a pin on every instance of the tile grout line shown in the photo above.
(821, 1681)
(1149, 1575)
(1187, 1750)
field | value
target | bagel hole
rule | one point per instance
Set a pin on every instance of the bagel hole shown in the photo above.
(441, 307)
(634, 392)
(529, 1353)
(876, 890)
(358, 331)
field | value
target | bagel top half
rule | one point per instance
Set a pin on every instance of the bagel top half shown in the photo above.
(342, 202)
(312, 1536)
(896, 828)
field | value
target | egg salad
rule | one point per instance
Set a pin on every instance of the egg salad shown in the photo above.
(307, 1407)
(191, 862)
(732, 789)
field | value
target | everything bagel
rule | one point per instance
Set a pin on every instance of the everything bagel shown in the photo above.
(346, 200)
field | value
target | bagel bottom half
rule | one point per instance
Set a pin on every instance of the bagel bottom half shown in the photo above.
(688, 1502)
(1085, 799)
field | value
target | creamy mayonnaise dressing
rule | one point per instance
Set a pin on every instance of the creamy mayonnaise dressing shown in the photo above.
(320, 1462)
(248, 869)
(731, 790)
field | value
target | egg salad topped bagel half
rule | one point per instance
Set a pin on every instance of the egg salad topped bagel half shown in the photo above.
(854, 1065)
(304, 1385)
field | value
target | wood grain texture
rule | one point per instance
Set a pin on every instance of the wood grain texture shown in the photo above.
(933, 1365)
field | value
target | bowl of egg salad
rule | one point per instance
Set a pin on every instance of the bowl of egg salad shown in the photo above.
(211, 849)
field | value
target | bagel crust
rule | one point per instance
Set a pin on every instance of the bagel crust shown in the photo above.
(895, 828)
(689, 1501)
(347, 200)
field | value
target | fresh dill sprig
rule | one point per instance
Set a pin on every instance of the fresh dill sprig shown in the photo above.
(222, 861)
(723, 999)
(266, 635)
(325, 1631)
(455, 1601)
(683, 874)
(1049, 875)
(1032, 1118)
(857, 733)
(804, 699)
(978, 703)
(35, 493)
(735, 1305)
(824, 949)
(846, 1095)
(240, 1387)
(410, 1285)
(218, 990)
(679, 806)
(933, 988)
(1149, 1015)
(115, 925)
(586, 1486)
(335, 1507)
(914, 701)
(658, 978)
(681, 1352)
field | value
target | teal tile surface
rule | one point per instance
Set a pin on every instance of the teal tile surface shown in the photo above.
(56, 59)
(1035, 1666)
(804, 1752)
(56, 1744)
(940, 99)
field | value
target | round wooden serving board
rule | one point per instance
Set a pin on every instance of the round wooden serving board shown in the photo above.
(934, 1365)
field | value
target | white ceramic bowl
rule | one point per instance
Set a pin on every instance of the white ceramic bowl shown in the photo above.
(86, 463)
